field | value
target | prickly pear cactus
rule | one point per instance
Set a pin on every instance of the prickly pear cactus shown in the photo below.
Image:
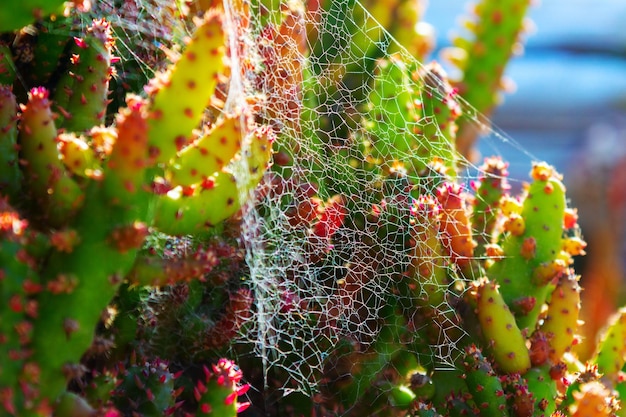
(129, 272)
(93, 195)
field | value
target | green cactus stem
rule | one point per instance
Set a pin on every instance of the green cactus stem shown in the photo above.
(610, 354)
(440, 110)
(496, 30)
(484, 384)
(16, 15)
(80, 283)
(81, 95)
(394, 117)
(78, 157)
(128, 161)
(208, 154)
(146, 389)
(52, 188)
(72, 405)
(561, 319)
(428, 261)
(520, 399)
(491, 187)
(188, 210)
(543, 389)
(533, 246)
(48, 50)
(19, 282)
(218, 394)
(184, 92)
(10, 173)
(7, 66)
(500, 331)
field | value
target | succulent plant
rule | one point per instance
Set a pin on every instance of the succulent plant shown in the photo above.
(124, 277)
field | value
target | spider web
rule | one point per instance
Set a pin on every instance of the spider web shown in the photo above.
(331, 233)
(337, 230)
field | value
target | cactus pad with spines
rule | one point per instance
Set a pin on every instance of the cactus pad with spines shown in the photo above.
(19, 14)
(483, 383)
(455, 225)
(561, 319)
(10, 174)
(495, 29)
(542, 216)
(439, 109)
(500, 330)
(210, 153)
(183, 93)
(218, 394)
(52, 187)
(187, 210)
(81, 96)
(610, 355)
(492, 186)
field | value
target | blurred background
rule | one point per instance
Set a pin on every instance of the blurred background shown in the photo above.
(569, 109)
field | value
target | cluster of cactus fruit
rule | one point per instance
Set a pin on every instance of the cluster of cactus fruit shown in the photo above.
(119, 226)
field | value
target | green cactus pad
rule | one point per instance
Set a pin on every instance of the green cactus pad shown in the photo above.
(48, 49)
(179, 102)
(542, 214)
(208, 154)
(495, 34)
(440, 109)
(81, 94)
(484, 384)
(428, 261)
(125, 169)
(19, 281)
(492, 186)
(394, 117)
(79, 158)
(16, 14)
(543, 389)
(10, 173)
(217, 394)
(51, 185)
(561, 320)
(82, 282)
(146, 389)
(610, 355)
(500, 330)
(181, 212)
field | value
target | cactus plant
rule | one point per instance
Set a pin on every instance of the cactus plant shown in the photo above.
(74, 182)
(125, 278)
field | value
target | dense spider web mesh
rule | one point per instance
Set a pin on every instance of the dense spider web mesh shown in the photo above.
(337, 230)
(331, 232)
